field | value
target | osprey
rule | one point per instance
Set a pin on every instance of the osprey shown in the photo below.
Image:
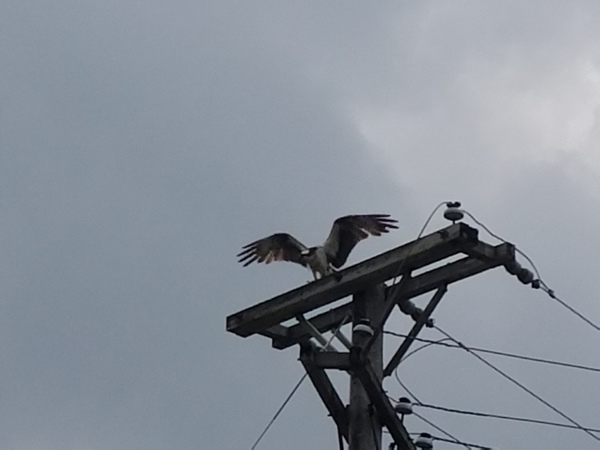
(322, 260)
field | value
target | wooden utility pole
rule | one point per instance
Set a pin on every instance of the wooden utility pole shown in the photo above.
(360, 423)
(364, 424)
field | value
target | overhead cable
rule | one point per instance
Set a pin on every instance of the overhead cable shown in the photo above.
(539, 283)
(503, 417)
(441, 430)
(499, 353)
(466, 444)
(520, 385)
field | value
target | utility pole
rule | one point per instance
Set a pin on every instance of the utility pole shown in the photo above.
(360, 422)
(364, 425)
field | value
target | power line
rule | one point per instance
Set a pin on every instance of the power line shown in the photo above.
(491, 415)
(503, 417)
(520, 385)
(441, 430)
(437, 438)
(423, 228)
(540, 283)
(395, 287)
(413, 395)
(475, 413)
(415, 398)
(438, 342)
(491, 233)
(283, 405)
(417, 402)
(552, 295)
(404, 359)
(500, 353)
(295, 388)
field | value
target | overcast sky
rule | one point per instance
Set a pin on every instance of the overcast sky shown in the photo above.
(142, 143)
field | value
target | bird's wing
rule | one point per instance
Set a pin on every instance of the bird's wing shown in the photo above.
(348, 231)
(277, 247)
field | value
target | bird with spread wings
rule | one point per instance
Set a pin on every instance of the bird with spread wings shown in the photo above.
(322, 260)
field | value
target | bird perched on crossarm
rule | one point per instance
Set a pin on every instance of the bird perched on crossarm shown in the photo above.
(322, 260)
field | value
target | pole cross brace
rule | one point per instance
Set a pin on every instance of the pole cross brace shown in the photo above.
(421, 321)
(309, 356)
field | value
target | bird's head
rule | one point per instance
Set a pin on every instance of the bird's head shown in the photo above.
(309, 252)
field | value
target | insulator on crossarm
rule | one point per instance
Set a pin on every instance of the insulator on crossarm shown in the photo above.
(525, 276)
(513, 267)
(363, 326)
(453, 212)
(424, 441)
(404, 406)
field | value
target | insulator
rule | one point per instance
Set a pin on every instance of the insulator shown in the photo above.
(363, 326)
(408, 307)
(424, 441)
(453, 211)
(404, 406)
(536, 284)
(513, 267)
(525, 276)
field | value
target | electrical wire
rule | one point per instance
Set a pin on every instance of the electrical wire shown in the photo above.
(406, 357)
(437, 438)
(423, 228)
(441, 430)
(542, 284)
(552, 295)
(414, 397)
(283, 405)
(499, 353)
(520, 385)
(491, 233)
(412, 352)
(503, 417)
(441, 342)
(409, 354)
(395, 287)
(468, 445)
(295, 388)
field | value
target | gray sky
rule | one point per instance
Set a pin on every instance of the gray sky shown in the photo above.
(142, 143)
